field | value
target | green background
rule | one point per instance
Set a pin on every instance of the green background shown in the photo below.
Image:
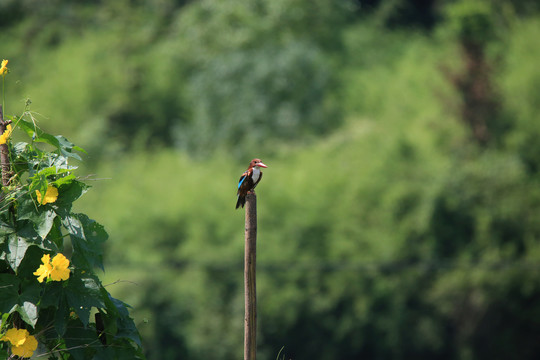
(399, 214)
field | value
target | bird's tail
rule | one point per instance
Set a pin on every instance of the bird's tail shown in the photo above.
(241, 201)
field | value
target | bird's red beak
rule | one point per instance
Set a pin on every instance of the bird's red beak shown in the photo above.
(261, 165)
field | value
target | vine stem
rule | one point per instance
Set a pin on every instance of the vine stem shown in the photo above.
(4, 154)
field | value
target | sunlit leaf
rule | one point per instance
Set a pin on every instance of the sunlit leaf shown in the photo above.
(51, 170)
(73, 227)
(42, 218)
(44, 222)
(59, 142)
(28, 301)
(37, 134)
(24, 303)
(5, 229)
(67, 148)
(17, 247)
(64, 180)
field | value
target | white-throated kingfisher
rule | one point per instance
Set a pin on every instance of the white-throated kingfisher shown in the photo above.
(249, 179)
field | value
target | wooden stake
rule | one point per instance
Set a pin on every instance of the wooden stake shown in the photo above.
(250, 291)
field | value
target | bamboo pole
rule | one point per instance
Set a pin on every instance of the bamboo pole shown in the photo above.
(250, 291)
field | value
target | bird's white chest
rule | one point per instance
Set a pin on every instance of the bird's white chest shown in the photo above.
(256, 174)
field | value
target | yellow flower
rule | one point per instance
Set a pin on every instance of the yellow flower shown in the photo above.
(60, 269)
(22, 343)
(6, 134)
(44, 270)
(57, 269)
(3, 68)
(50, 196)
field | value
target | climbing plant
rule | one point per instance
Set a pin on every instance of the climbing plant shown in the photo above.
(52, 302)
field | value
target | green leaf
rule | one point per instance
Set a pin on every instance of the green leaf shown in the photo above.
(30, 263)
(43, 222)
(37, 134)
(20, 152)
(68, 193)
(3, 321)
(26, 230)
(46, 319)
(79, 338)
(106, 353)
(28, 301)
(60, 162)
(26, 207)
(66, 147)
(9, 292)
(35, 223)
(25, 303)
(87, 237)
(61, 317)
(120, 351)
(27, 127)
(5, 229)
(82, 294)
(110, 315)
(64, 180)
(17, 247)
(55, 236)
(53, 294)
(51, 170)
(40, 184)
(73, 226)
(59, 142)
(126, 326)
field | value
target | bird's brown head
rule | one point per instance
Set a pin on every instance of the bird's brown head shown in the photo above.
(257, 162)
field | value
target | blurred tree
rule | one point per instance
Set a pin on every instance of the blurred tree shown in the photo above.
(248, 100)
(520, 80)
(472, 24)
(256, 73)
(428, 14)
(201, 75)
(400, 13)
(11, 11)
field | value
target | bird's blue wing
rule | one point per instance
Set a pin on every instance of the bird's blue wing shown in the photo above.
(242, 178)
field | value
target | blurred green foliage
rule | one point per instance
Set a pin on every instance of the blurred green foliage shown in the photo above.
(384, 230)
